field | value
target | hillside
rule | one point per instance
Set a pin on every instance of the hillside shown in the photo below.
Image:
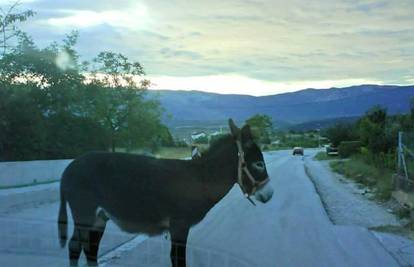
(194, 107)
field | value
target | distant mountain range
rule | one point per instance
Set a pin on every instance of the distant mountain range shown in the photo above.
(301, 107)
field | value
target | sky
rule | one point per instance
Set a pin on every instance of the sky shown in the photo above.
(241, 46)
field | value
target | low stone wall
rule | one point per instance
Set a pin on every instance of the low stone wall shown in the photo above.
(17, 173)
(26, 197)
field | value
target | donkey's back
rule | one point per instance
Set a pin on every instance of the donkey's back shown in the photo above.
(130, 188)
(105, 174)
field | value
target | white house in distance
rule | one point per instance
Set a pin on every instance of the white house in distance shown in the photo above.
(275, 142)
(216, 133)
(197, 135)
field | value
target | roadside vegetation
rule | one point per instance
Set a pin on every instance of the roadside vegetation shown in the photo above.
(369, 145)
(357, 169)
(322, 155)
(368, 155)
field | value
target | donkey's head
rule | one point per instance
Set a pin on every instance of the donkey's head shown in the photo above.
(252, 174)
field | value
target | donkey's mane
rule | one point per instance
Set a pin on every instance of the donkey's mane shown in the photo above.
(216, 148)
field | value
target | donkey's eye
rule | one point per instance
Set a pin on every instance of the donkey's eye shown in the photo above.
(259, 165)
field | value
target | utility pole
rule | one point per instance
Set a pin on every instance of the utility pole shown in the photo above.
(401, 158)
(319, 137)
(399, 148)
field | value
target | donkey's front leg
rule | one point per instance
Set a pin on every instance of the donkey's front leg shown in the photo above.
(179, 232)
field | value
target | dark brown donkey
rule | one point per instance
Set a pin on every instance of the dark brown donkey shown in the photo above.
(147, 195)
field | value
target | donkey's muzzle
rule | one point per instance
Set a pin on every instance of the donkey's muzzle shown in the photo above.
(265, 193)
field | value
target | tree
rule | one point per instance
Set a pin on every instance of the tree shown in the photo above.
(165, 137)
(377, 115)
(42, 104)
(115, 70)
(119, 105)
(9, 18)
(412, 109)
(22, 124)
(66, 112)
(261, 126)
(341, 132)
(373, 132)
(28, 64)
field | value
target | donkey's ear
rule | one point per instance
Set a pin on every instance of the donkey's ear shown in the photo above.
(246, 133)
(233, 128)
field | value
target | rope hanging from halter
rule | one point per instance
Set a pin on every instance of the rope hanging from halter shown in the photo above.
(242, 167)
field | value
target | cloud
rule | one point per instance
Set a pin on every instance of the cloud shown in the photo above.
(274, 42)
(169, 53)
(132, 19)
(11, 2)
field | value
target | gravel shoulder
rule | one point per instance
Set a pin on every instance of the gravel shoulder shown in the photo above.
(346, 204)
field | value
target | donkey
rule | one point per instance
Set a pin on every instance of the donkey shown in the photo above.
(144, 194)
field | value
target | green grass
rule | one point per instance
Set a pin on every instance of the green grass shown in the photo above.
(164, 152)
(322, 155)
(377, 178)
(173, 152)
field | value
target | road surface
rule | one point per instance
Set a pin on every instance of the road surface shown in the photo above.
(292, 229)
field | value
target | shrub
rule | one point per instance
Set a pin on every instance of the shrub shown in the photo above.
(403, 212)
(323, 156)
(348, 148)
(341, 132)
(379, 160)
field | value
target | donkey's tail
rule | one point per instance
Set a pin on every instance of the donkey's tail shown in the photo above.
(62, 221)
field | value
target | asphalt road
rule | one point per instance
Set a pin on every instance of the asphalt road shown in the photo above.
(292, 229)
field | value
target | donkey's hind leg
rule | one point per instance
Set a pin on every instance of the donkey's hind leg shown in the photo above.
(95, 234)
(84, 216)
(75, 246)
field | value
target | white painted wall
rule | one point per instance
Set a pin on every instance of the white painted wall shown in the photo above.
(15, 173)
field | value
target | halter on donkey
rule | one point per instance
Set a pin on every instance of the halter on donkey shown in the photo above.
(147, 195)
(242, 168)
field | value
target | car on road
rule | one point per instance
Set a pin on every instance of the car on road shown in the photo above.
(331, 150)
(297, 151)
